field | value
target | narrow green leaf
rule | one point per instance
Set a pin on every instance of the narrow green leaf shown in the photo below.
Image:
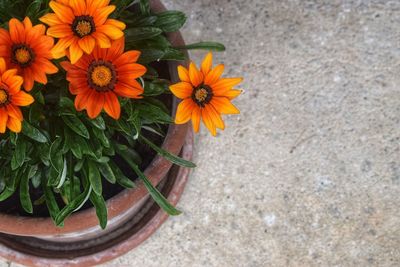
(120, 177)
(107, 172)
(19, 153)
(173, 158)
(33, 133)
(144, 7)
(101, 209)
(170, 21)
(76, 125)
(72, 206)
(155, 194)
(51, 202)
(212, 46)
(142, 33)
(94, 177)
(24, 194)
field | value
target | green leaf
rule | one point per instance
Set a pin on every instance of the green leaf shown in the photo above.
(155, 194)
(170, 21)
(144, 7)
(33, 9)
(153, 113)
(120, 176)
(212, 46)
(94, 177)
(142, 33)
(76, 125)
(107, 172)
(51, 202)
(173, 158)
(72, 206)
(150, 55)
(101, 209)
(154, 89)
(19, 154)
(33, 133)
(98, 123)
(24, 193)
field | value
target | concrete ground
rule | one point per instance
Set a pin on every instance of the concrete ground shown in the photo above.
(309, 173)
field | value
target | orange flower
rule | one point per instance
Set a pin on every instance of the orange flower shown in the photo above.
(98, 79)
(205, 95)
(11, 97)
(27, 49)
(80, 24)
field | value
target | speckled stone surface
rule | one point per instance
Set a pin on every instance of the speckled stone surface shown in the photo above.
(309, 173)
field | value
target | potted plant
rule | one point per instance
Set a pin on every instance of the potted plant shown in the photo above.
(95, 100)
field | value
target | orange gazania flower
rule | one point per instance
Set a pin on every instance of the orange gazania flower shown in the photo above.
(27, 49)
(11, 97)
(80, 24)
(98, 79)
(205, 95)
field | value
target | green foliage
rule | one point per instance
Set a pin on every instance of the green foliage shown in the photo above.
(68, 157)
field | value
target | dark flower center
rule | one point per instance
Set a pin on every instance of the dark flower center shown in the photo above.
(202, 95)
(102, 76)
(22, 55)
(83, 26)
(4, 97)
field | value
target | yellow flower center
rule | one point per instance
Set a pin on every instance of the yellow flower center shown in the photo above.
(101, 76)
(3, 97)
(22, 55)
(202, 95)
(83, 28)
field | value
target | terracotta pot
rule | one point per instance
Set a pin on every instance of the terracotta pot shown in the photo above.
(133, 215)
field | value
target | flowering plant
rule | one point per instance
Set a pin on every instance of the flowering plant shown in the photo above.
(80, 87)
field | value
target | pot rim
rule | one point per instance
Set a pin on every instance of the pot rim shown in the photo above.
(120, 203)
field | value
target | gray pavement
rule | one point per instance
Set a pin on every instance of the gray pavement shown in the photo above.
(309, 173)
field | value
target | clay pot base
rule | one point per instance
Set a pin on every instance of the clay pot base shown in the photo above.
(38, 252)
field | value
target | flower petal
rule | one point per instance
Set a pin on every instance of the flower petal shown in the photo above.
(126, 58)
(51, 19)
(224, 85)
(214, 75)
(184, 111)
(182, 90)
(196, 116)
(207, 120)
(102, 39)
(129, 91)
(207, 64)
(111, 31)
(78, 7)
(215, 117)
(112, 106)
(116, 23)
(60, 31)
(223, 105)
(81, 100)
(75, 52)
(133, 70)
(102, 14)
(87, 44)
(17, 31)
(64, 13)
(3, 120)
(14, 125)
(95, 104)
(22, 99)
(14, 112)
(183, 74)
(60, 48)
(3, 66)
(232, 94)
(196, 77)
